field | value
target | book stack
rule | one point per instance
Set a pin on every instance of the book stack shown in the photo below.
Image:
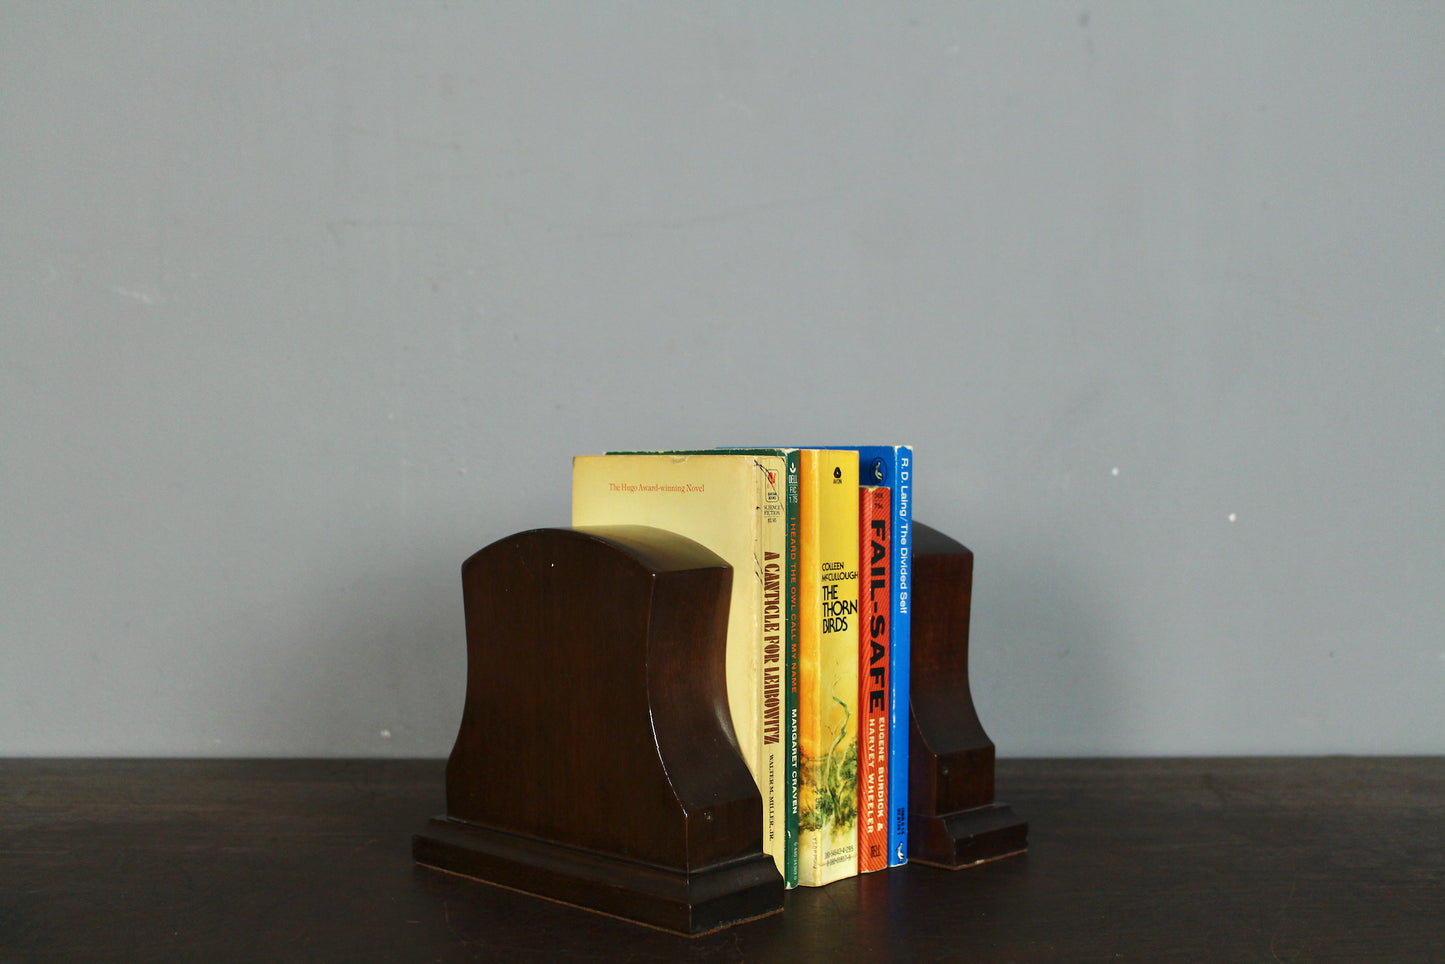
(818, 628)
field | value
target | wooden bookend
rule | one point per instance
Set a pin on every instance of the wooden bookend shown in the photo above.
(596, 763)
(953, 820)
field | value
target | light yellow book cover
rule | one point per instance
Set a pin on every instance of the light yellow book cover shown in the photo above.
(828, 666)
(733, 504)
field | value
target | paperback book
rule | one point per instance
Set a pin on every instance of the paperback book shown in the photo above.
(874, 604)
(735, 504)
(828, 666)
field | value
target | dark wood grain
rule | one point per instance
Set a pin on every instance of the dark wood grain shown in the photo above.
(1300, 860)
(596, 762)
(953, 819)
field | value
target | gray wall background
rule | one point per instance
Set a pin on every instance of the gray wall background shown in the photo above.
(302, 304)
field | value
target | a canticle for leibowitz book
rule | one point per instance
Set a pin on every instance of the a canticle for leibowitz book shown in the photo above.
(828, 666)
(734, 504)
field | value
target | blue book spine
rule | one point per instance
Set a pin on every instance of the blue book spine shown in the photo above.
(893, 466)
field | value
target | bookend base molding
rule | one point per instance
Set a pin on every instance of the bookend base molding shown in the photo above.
(596, 764)
(953, 819)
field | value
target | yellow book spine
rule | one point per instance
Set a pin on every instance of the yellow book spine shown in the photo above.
(828, 666)
(771, 772)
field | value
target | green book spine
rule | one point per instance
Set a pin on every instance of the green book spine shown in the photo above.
(790, 724)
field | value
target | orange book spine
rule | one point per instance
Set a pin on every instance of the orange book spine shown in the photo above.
(874, 594)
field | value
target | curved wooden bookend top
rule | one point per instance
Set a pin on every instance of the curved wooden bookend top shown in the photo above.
(953, 818)
(596, 762)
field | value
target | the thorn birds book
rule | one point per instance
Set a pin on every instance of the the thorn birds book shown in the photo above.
(828, 666)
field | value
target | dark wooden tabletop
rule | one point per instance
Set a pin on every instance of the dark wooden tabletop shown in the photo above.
(1295, 860)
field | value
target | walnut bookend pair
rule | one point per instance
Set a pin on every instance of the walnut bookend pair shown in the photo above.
(596, 764)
